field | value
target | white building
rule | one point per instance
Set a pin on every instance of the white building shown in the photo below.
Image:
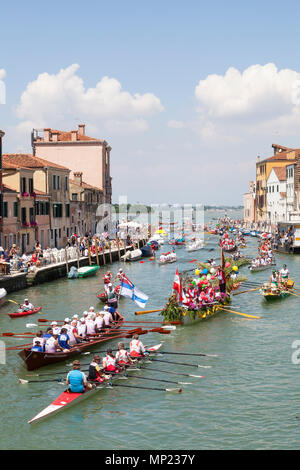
(290, 189)
(276, 195)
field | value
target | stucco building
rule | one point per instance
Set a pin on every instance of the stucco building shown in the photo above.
(79, 152)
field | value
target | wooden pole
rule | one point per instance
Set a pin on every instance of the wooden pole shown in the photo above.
(66, 255)
(118, 243)
(96, 251)
(110, 257)
(102, 246)
(89, 251)
(78, 264)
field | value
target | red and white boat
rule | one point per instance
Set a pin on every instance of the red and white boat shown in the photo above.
(24, 314)
(68, 399)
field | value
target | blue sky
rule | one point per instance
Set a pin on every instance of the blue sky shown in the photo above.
(187, 148)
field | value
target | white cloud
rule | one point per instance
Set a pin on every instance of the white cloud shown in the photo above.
(58, 99)
(260, 99)
(176, 124)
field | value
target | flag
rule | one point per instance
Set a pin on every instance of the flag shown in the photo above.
(128, 289)
(177, 288)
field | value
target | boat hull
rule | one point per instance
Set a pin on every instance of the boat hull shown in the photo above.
(87, 271)
(68, 399)
(35, 360)
(24, 314)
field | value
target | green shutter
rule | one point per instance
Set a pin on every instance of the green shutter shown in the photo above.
(15, 209)
(5, 209)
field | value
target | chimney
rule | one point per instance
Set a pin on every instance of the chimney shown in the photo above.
(78, 177)
(258, 158)
(55, 136)
(81, 129)
(47, 135)
(73, 136)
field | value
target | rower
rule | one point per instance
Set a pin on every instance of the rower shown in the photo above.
(55, 328)
(39, 339)
(116, 316)
(95, 372)
(76, 379)
(137, 349)
(109, 362)
(51, 345)
(108, 319)
(107, 280)
(90, 324)
(73, 333)
(64, 340)
(284, 273)
(76, 318)
(120, 275)
(99, 321)
(111, 296)
(122, 357)
(82, 329)
(274, 280)
(26, 307)
(37, 347)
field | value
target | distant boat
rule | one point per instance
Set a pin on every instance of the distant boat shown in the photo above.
(133, 255)
(3, 295)
(87, 271)
(195, 246)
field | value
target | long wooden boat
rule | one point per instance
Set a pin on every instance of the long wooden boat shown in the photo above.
(87, 271)
(24, 314)
(35, 360)
(270, 296)
(170, 261)
(67, 399)
(257, 269)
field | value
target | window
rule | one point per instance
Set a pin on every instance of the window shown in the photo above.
(27, 239)
(15, 209)
(59, 233)
(66, 183)
(277, 188)
(67, 210)
(74, 197)
(23, 215)
(37, 208)
(47, 208)
(30, 181)
(54, 182)
(58, 182)
(23, 185)
(57, 210)
(5, 209)
(31, 214)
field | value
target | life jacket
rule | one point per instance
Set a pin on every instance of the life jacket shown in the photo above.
(136, 348)
(94, 373)
(110, 363)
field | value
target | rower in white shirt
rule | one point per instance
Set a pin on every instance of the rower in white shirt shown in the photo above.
(99, 322)
(82, 329)
(108, 319)
(90, 325)
(137, 349)
(27, 306)
(51, 344)
(55, 328)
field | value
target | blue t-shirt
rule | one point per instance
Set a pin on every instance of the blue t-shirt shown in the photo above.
(111, 310)
(46, 335)
(37, 348)
(75, 378)
(63, 341)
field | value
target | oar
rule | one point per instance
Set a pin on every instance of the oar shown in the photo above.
(296, 295)
(238, 313)
(13, 301)
(173, 373)
(23, 381)
(144, 312)
(188, 354)
(148, 388)
(158, 380)
(180, 363)
(244, 291)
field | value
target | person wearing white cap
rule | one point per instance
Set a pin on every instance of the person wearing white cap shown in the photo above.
(82, 329)
(76, 318)
(91, 309)
(108, 319)
(90, 325)
(99, 322)
(73, 333)
(85, 314)
(55, 328)
(27, 306)
(119, 275)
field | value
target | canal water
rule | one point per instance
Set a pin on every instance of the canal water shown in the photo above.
(249, 398)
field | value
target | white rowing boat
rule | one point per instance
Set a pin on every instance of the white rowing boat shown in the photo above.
(68, 399)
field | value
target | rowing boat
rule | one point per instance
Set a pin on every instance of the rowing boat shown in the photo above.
(24, 314)
(270, 296)
(256, 269)
(68, 399)
(103, 297)
(35, 359)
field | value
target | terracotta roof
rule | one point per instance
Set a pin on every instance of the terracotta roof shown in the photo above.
(64, 136)
(26, 160)
(280, 156)
(280, 172)
(40, 193)
(84, 185)
(8, 189)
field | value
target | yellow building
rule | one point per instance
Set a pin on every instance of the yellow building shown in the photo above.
(283, 156)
